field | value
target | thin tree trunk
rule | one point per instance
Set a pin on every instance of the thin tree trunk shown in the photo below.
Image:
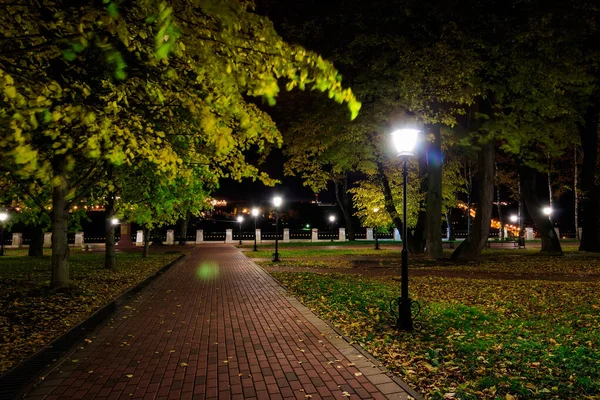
(184, 227)
(390, 205)
(36, 246)
(110, 256)
(343, 201)
(146, 242)
(60, 246)
(520, 214)
(590, 197)
(575, 175)
(433, 213)
(498, 205)
(550, 241)
(550, 182)
(469, 176)
(471, 248)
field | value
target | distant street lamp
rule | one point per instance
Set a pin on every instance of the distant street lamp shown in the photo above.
(514, 219)
(3, 218)
(376, 210)
(276, 202)
(405, 141)
(547, 211)
(240, 219)
(114, 221)
(255, 215)
(332, 220)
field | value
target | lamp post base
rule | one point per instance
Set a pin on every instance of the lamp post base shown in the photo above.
(402, 310)
(276, 257)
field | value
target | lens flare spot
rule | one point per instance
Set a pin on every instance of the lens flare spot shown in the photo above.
(208, 270)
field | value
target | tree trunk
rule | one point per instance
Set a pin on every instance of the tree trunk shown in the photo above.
(60, 246)
(433, 214)
(110, 257)
(520, 212)
(390, 205)
(575, 194)
(183, 229)
(498, 205)
(550, 242)
(146, 242)
(343, 201)
(550, 182)
(471, 248)
(590, 197)
(469, 178)
(36, 246)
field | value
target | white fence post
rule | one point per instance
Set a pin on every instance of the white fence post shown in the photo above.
(286, 235)
(342, 234)
(139, 238)
(397, 235)
(17, 239)
(47, 239)
(229, 236)
(258, 237)
(369, 233)
(314, 237)
(199, 236)
(170, 236)
(79, 238)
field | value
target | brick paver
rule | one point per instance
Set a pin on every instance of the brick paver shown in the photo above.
(215, 326)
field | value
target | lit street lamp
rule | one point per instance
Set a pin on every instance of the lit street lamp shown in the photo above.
(255, 215)
(276, 202)
(332, 220)
(3, 218)
(114, 221)
(514, 219)
(376, 210)
(240, 219)
(405, 141)
(547, 211)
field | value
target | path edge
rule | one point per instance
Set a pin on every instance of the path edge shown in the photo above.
(15, 382)
(410, 391)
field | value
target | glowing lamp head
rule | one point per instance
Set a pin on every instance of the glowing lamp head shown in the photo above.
(240, 219)
(547, 211)
(3, 216)
(277, 200)
(255, 212)
(376, 210)
(114, 221)
(331, 218)
(405, 141)
(514, 218)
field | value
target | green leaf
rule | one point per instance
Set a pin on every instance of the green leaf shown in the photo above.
(112, 10)
(69, 55)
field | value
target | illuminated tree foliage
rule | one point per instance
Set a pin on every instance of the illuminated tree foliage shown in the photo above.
(85, 85)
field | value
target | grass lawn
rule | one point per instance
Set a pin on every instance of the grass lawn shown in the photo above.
(31, 317)
(480, 338)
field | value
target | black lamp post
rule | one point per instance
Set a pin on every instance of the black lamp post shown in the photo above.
(405, 141)
(276, 202)
(240, 219)
(255, 215)
(3, 218)
(332, 220)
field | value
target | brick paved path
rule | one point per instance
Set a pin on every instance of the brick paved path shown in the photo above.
(215, 326)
